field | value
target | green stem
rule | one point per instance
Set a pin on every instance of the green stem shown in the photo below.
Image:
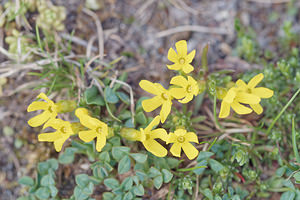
(215, 113)
(294, 141)
(281, 112)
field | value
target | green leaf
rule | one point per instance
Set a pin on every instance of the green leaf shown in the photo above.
(215, 165)
(158, 181)
(153, 172)
(138, 190)
(107, 196)
(124, 165)
(53, 190)
(111, 183)
(141, 118)
(92, 96)
(104, 156)
(43, 193)
(127, 183)
(297, 177)
(280, 171)
(47, 180)
(43, 167)
(67, 156)
(119, 152)
(26, 180)
(289, 195)
(204, 155)
(53, 164)
(129, 123)
(82, 180)
(100, 172)
(124, 97)
(167, 175)
(79, 194)
(200, 170)
(128, 196)
(110, 96)
(139, 157)
(208, 194)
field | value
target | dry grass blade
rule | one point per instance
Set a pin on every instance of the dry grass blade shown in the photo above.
(195, 28)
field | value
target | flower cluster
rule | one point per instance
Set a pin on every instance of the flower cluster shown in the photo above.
(184, 87)
(88, 129)
(242, 93)
(181, 139)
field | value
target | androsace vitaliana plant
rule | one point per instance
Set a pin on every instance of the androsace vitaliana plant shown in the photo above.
(184, 87)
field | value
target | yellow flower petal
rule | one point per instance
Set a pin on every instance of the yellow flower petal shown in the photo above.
(225, 110)
(240, 109)
(44, 96)
(37, 105)
(187, 98)
(88, 121)
(189, 58)
(247, 98)
(153, 123)
(241, 84)
(255, 80)
(151, 104)
(165, 110)
(191, 137)
(54, 123)
(87, 136)
(159, 133)
(179, 80)
(155, 148)
(175, 66)
(59, 143)
(181, 47)
(149, 87)
(187, 68)
(49, 137)
(172, 138)
(176, 149)
(178, 93)
(257, 108)
(172, 55)
(81, 112)
(190, 151)
(160, 89)
(263, 92)
(39, 119)
(101, 141)
(231, 94)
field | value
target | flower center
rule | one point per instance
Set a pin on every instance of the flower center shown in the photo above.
(165, 96)
(50, 109)
(147, 136)
(182, 61)
(189, 88)
(63, 130)
(99, 129)
(180, 139)
(249, 90)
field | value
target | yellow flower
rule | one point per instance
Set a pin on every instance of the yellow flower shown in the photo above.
(62, 133)
(97, 128)
(148, 136)
(181, 59)
(181, 139)
(188, 88)
(233, 98)
(50, 111)
(163, 98)
(261, 92)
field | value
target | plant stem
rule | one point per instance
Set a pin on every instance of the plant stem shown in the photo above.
(281, 112)
(215, 113)
(294, 141)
